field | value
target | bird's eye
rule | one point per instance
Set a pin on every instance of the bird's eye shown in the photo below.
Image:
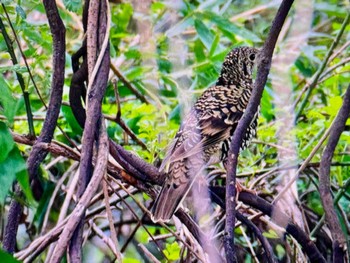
(252, 57)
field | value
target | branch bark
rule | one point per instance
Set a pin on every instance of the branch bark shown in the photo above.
(39, 153)
(264, 65)
(98, 60)
(339, 240)
(283, 220)
(77, 215)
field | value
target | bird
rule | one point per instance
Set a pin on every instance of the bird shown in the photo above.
(205, 134)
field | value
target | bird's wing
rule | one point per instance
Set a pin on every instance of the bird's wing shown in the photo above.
(185, 143)
(204, 127)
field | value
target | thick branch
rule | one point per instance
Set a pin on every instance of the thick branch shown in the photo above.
(339, 241)
(98, 70)
(263, 70)
(38, 153)
(78, 214)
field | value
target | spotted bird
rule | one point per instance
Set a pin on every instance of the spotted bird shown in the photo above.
(204, 136)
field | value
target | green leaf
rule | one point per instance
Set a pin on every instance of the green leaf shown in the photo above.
(333, 105)
(131, 260)
(280, 251)
(9, 168)
(225, 25)
(214, 45)
(6, 141)
(21, 12)
(73, 5)
(331, 9)
(69, 117)
(172, 251)
(199, 51)
(180, 27)
(7, 258)
(271, 234)
(204, 33)
(266, 105)
(7, 102)
(121, 16)
(23, 180)
(17, 68)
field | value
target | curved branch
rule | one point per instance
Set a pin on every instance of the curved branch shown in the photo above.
(266, 245)
(39, 153)
(272, 211)
(339, 241)
(78, 214)
(98, 70)
(264, 65)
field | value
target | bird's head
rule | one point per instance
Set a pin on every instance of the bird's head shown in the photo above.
(238, 65)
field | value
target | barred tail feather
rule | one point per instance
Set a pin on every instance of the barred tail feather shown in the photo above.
(168, 201)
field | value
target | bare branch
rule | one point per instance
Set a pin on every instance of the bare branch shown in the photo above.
(264, 65)
(272, 211)
(98, 70)
(339, 240)
(79, 211)
(38, 153)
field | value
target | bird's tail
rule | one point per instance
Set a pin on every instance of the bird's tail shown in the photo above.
(169, 200)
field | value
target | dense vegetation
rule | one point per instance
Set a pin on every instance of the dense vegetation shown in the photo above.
(163, 55)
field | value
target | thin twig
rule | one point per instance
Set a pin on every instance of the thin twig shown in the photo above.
(135, 215)
(310, 86)
(304, 165)
(140, 96)
(108, 241)
(150, 256)
(25, 93)
(111, 222)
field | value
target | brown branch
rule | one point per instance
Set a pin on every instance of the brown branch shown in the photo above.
(98, 70)
(264, 65)
(135, 165)
(14, 215)
(279, 218)
(339, 240)
(265, 244)
(58, 31)
(38, 154)
(77, 215)
(140, 96)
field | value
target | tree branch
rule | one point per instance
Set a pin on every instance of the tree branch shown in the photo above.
(272, 211)
(98, 70)
(77, 215)
(339, 240)
(38, 153)
(264, 65)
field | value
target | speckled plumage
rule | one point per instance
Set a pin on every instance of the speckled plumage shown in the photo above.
(206, 133)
